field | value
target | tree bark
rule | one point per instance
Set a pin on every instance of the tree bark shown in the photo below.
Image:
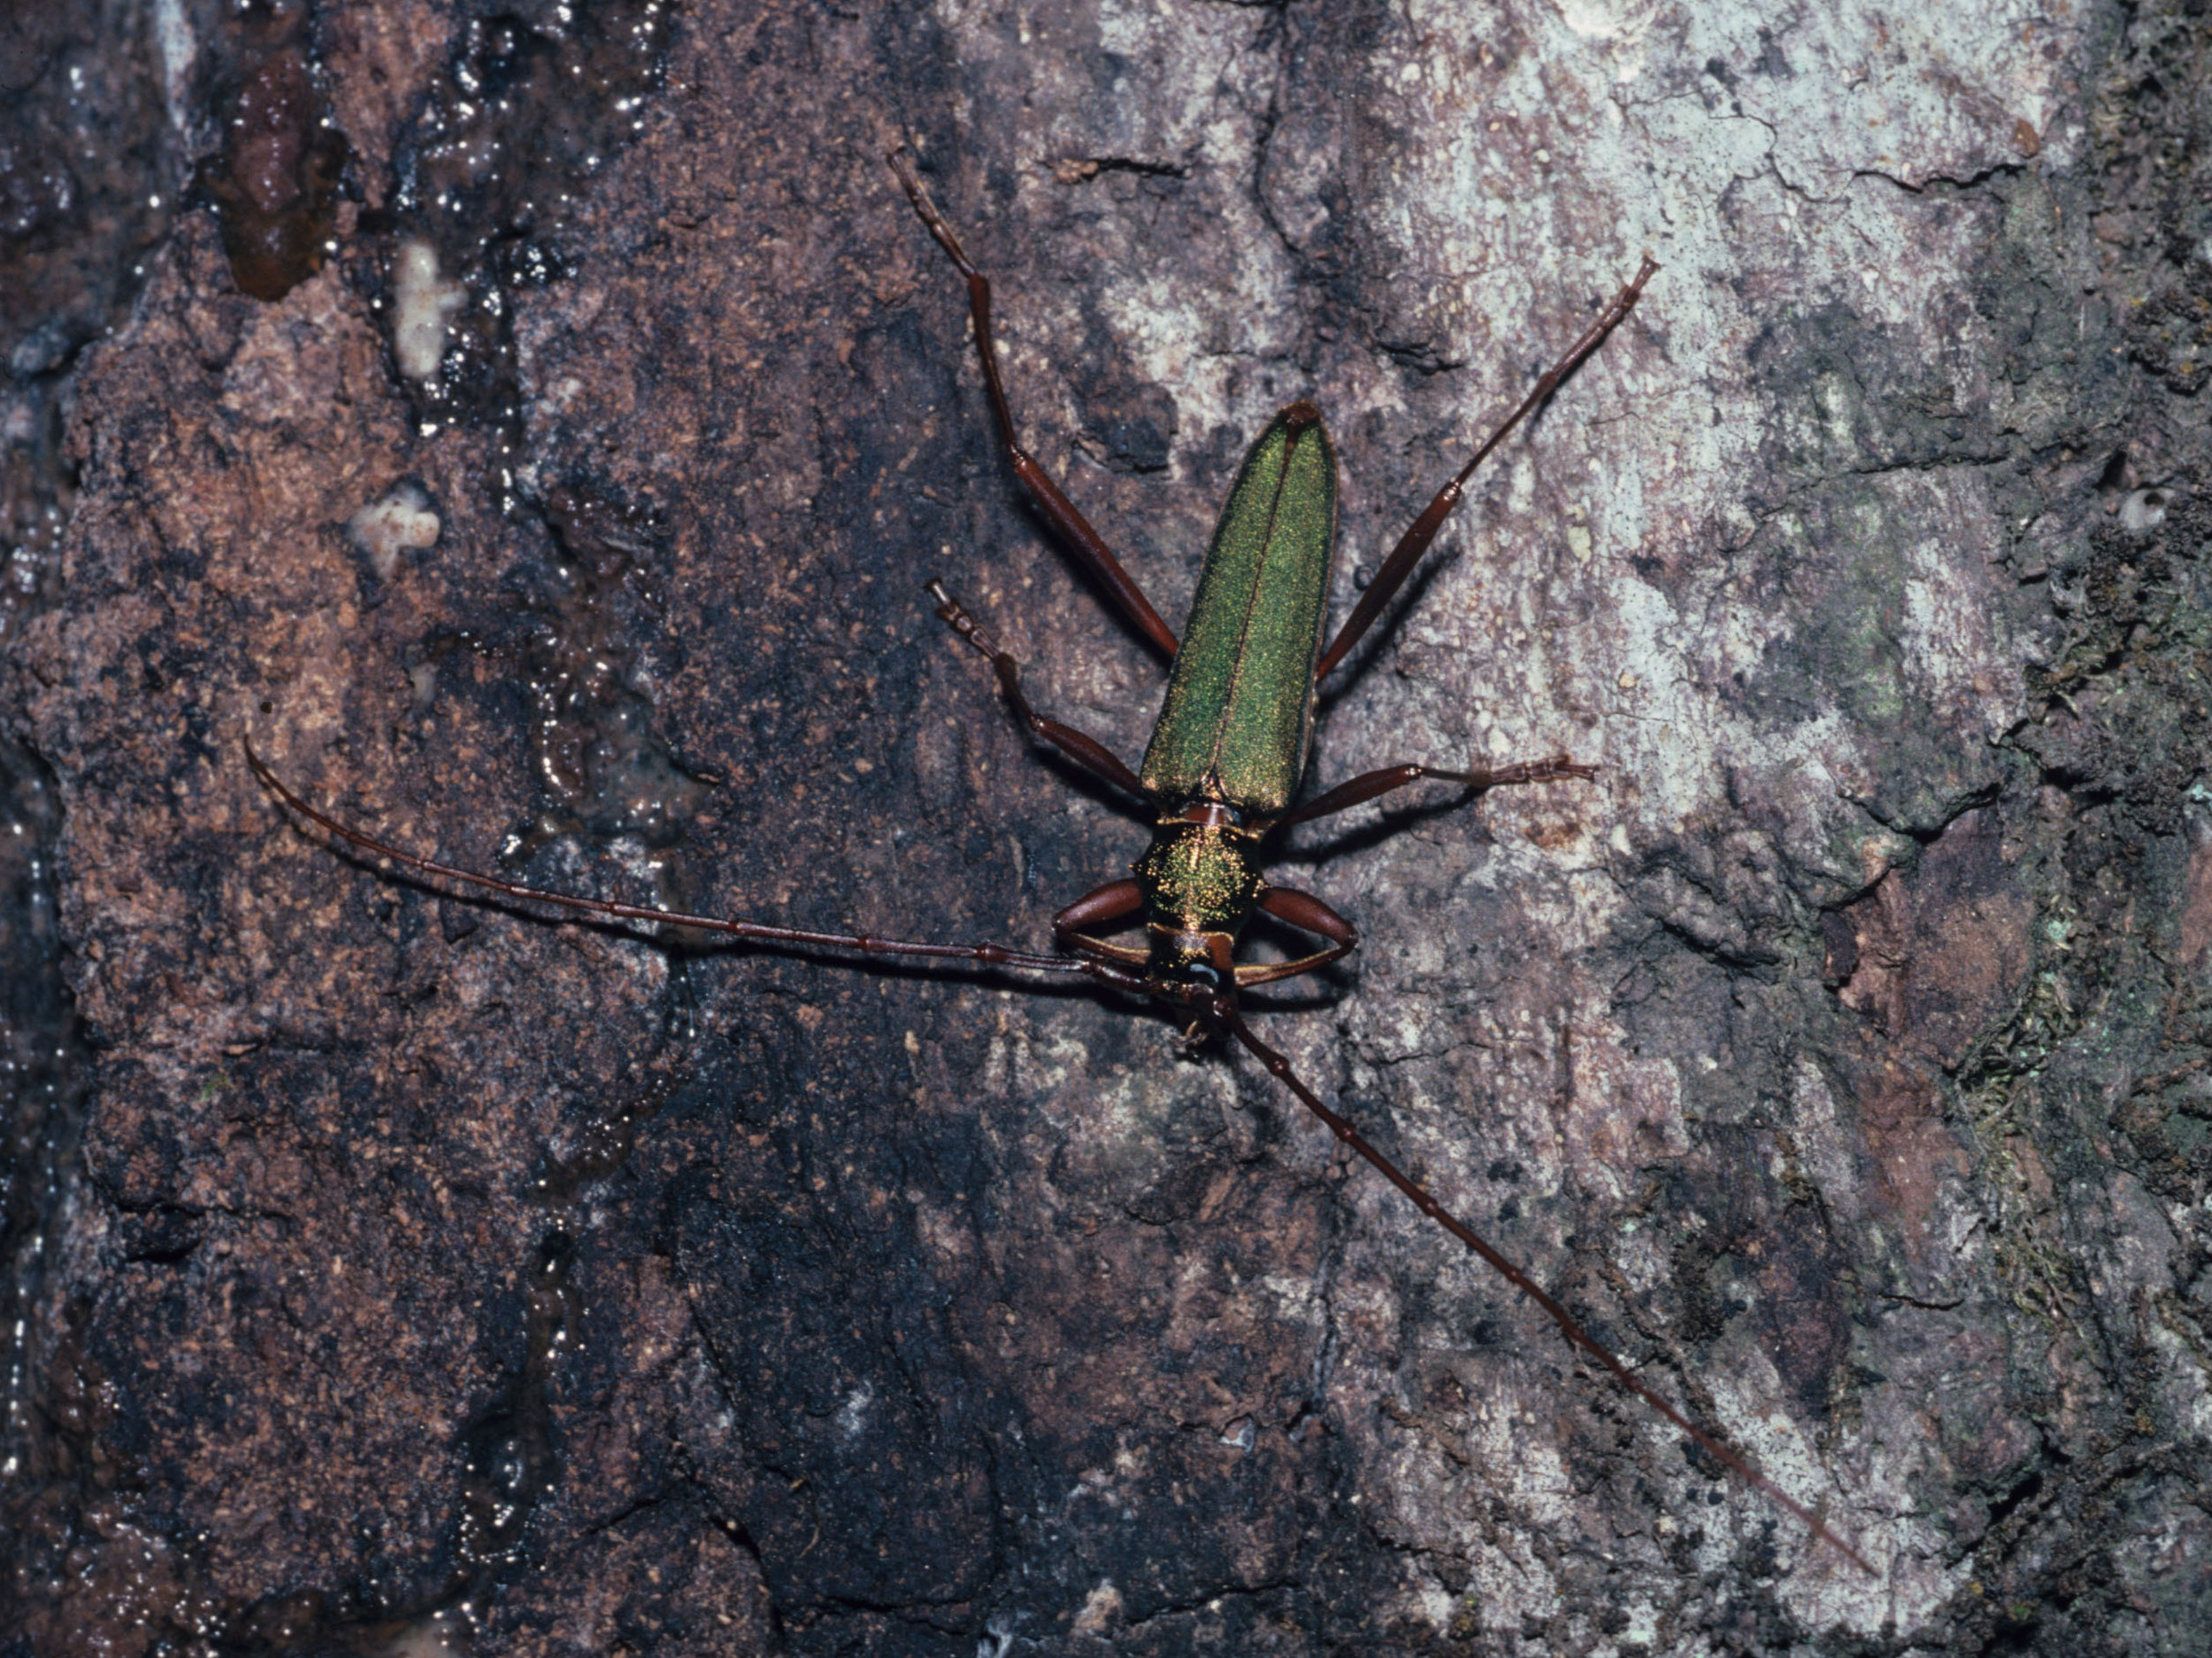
(421, 1268)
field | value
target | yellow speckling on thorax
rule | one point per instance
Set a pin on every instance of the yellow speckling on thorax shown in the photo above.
(1200, 876)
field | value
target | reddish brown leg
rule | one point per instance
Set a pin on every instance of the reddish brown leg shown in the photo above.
(1415, 542)
(1223, 1010)
(1115, 902)
(1370, 785)
(1118, 901)
(1088, 752)
(1308, 914)
(1058, 511)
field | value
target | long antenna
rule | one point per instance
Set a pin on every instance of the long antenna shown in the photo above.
(1221, 1007)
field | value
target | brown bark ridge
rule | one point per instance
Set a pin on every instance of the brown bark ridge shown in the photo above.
(534, 434)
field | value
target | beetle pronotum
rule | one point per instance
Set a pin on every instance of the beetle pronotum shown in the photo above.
(1221, 775)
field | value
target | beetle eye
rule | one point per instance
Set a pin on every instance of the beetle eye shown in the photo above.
(1201, 975)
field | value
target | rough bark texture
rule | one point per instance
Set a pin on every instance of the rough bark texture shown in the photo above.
(425, 1273)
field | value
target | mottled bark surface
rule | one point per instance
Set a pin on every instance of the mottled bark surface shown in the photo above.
(422, 1272)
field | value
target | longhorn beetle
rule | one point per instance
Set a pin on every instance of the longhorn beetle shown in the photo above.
(1221, 775)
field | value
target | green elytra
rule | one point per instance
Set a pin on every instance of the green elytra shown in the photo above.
(1234, 725)
(1221, 774)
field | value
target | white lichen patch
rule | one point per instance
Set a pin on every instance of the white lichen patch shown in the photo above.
(1038, 1069)
(852, 1415)
(439, 1635)
(1101, 1611)
(2144, 510)
(400, 520)
(425, 303)
(1959, 655)
(1296, 1299)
